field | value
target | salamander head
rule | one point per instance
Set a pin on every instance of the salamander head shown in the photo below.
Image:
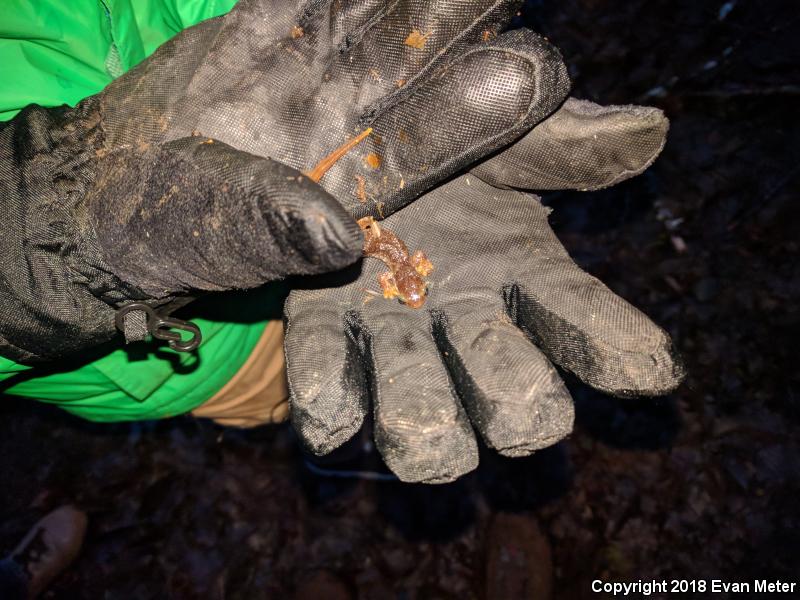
(413, 288)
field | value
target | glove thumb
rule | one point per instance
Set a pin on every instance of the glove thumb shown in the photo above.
(197, 214)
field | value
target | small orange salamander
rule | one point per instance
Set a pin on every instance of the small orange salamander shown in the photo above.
(405, 278)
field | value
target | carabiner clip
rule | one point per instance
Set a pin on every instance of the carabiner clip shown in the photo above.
(161, 327)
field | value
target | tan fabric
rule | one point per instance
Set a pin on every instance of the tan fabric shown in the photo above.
(258, 393)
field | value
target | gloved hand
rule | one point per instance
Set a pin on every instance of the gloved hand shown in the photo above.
(87, 230)
(134, 194)
(505, 301)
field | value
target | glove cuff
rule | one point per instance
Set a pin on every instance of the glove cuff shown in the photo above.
(57, 292)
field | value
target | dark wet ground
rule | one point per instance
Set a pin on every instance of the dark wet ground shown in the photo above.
(702, 484)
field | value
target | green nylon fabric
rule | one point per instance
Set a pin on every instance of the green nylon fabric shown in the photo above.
(54, 52)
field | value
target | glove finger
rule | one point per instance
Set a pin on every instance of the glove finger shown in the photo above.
(513, 395)
(481, 100)
(198, 214)
(325, 367)
(421, 430)
(586, 328)
(349, 20)
(582, 146)
(412, 35)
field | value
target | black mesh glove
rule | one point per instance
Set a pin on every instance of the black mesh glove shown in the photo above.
(134, 194)
(85, 231)
(435, 80)
(505, 301)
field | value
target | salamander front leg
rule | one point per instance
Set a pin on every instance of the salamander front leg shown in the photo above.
(421, 263)
(388, 285)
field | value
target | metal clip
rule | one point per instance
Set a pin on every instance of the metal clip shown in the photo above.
(160, 327)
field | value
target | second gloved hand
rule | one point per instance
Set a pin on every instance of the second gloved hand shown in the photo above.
(505, 303)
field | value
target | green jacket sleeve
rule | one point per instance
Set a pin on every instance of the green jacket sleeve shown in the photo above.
(8, 368)
(57, 52)
(52, 53)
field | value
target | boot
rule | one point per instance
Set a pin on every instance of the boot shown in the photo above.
(50, 546)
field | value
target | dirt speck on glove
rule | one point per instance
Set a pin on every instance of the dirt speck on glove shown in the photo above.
(417, 39)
